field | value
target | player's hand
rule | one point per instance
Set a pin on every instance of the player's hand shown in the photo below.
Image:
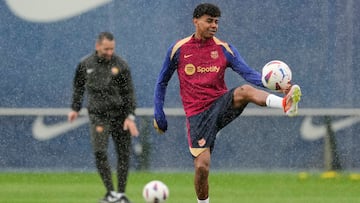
(131, 126)
(160, 130)
(72, 115)
(160, 122)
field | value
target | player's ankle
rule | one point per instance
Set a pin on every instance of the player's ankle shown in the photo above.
(204, 201)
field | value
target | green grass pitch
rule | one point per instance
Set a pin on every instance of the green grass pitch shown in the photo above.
(225, 187)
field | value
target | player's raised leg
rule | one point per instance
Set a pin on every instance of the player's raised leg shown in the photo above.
(247, 94)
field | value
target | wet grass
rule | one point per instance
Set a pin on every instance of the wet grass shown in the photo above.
(225, 187)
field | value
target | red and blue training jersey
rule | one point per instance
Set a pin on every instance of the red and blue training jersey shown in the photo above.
(200, 66)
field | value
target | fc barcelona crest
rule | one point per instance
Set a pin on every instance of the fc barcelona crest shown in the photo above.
(115, 70)
(214, 54)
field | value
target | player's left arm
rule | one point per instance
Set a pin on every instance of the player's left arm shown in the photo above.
(238, 64)
(127, 93)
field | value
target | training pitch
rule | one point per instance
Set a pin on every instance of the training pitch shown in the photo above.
(225, 187)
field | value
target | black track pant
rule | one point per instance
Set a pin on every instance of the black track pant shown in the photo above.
(101, 130)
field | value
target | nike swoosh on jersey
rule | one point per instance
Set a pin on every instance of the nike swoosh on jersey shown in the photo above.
(45, 11)
(43, 132)
(312, 132)
(187, 56)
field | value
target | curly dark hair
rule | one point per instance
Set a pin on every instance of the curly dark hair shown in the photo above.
(206, 9)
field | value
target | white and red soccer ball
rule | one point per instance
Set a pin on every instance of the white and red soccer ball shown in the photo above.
(276, 75)
(155, 192)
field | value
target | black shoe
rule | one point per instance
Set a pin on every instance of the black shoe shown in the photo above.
(124, 199)
(110, 197)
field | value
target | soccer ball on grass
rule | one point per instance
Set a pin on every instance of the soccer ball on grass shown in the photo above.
(276, 75)
(155, 192)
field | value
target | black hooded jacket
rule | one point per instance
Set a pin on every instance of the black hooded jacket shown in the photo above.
(108, 84)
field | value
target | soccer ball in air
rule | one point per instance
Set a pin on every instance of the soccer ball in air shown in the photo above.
(155, 192)
(276, 75)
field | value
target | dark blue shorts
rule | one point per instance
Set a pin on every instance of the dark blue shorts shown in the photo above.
(208, 123)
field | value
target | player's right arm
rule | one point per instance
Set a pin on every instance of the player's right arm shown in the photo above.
(78, 92)
(168, 69)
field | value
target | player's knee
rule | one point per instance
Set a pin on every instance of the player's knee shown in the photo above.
(202, 167)
(244, 89)
(242, 94)
(202, 170)
(100, 156)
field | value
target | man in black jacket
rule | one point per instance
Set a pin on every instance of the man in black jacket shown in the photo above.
(111, 104)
